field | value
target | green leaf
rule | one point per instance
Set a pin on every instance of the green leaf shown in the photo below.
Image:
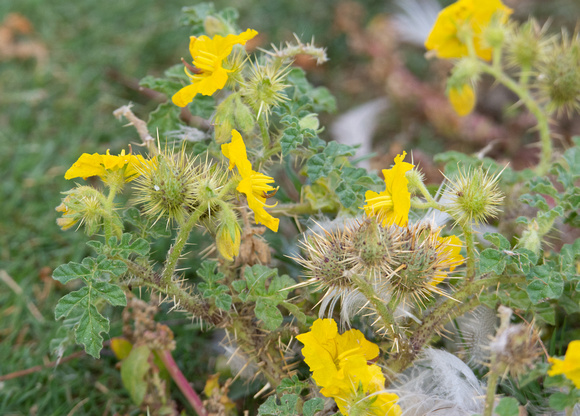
(256, 277)
(508, 406)
(561, 401)
(312, 406)
(497, 240)
(535, 200)
(239, 285)
(223, 301)
(546, 313)
(70, 271)
(111, 293)
(524, 259)
(268, 312)
(70, 301)
(287, 406)
(88, 331)
(164, 118)
(492, 260)
(318, 166)
(295, 310)
(133, 371)
(544, 283)
(207, 271)
(291, 385)
(114, 267)
(172, 82)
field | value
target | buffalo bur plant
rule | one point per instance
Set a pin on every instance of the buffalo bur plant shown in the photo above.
(408, 266)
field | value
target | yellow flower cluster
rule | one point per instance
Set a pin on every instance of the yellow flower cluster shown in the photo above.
(459, 27)
(393, 204)
(254, 185)
(339, 364)
(209, 74)
(569, 366)
(101, 165)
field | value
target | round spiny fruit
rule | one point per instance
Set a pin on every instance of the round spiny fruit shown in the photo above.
(421, 261)
(168, 188)
(370, 246)
(559, 79)
(326, 259)
(475, 196)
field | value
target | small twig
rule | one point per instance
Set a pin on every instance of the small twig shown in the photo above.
(140, 126)
(181, 381)
(38, 368)
(78, 405)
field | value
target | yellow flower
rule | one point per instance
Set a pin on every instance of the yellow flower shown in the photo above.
(208, 56)
(569, 366)
(101, 165)
(254, 185)
(461, 20)
(339, 364)
(462, 99)
(393, 204)
(326, 352)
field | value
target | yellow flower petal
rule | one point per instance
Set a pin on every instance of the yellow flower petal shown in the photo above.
(393, 204)
(462, 99)
(208, 55)
(99, 165)
(569, 366)
(460, 17)
(254, 185)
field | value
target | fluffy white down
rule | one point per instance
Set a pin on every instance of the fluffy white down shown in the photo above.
(439, 384)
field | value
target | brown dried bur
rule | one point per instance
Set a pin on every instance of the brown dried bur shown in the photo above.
(253, 248)
(12, 46)
(218, 403)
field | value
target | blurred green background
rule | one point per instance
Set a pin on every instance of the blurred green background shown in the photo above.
(55, 108)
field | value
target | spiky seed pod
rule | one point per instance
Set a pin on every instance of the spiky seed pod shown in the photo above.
(264, 87)
(82, 205)
(475, 196)
(370, 246)
(421, 261)
(527, 44)
(516, 347)
(558, 81)
(169, 187)
(211, 179)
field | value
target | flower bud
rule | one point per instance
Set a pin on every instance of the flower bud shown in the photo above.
(531, 239)
(83, 205)
(462, 99)
(416, 179)
(494, 35)
(264, 87)
(214, 26)
(310, 122)
(228, 236)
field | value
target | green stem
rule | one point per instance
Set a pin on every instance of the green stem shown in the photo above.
(300, 208)
(108, 217)
(471, 253)
(379, 307)
(492, 380)
(180, 241)
(444, 312)
(265, 134)
(535, 109)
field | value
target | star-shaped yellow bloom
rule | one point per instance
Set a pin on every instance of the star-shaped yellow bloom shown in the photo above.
(462, 19)
(254, 185)
(393, 204)
(569, 366)
(208, 55)
(101, 165)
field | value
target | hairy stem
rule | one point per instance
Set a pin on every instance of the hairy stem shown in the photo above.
(470, 247)
(180, 241)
